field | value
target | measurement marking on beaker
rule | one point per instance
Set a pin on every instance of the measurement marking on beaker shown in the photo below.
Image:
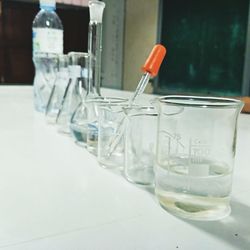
(174, 137)
(198, 150)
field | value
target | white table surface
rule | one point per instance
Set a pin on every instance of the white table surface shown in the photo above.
(54, 195)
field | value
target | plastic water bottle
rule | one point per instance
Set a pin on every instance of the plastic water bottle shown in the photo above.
(47, 36)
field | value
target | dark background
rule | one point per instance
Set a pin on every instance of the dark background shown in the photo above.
(16, 66)
(206, 43)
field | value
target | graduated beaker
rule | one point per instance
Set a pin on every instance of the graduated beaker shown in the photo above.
(194, 163)
(93, 107)
(110, 116)
(140, 144)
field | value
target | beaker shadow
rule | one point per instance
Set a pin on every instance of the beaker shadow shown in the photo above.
(234, 229)
(148, 188)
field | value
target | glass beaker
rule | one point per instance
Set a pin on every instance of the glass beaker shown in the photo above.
(196, 143)
(56, 96)
(140, 144)
(93, 106)
(111, 115)
(74, 91)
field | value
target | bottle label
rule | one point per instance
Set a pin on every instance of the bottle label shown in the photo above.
(47, 40)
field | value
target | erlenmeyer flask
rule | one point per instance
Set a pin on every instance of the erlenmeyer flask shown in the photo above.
(79, 124)
(56, 96)
(74, 91)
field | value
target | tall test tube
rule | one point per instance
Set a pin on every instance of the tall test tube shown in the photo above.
(95, 47)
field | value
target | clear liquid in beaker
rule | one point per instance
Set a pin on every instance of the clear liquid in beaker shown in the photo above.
(204, 197)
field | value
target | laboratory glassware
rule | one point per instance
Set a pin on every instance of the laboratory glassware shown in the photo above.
(56, 96)
(96, 9)
(140, 144)
(196, 144)
(87, 108)
(47, 39)
(93, 106)
(75, 90)
(150, 69)
(110, 114)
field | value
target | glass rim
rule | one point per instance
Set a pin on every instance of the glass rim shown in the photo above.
(79, 54)
(136, 110)
(200, 101)
(140, 107)
(94, 2)
(108, 100)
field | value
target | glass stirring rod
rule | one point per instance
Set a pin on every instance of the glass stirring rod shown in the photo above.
(150, 69)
